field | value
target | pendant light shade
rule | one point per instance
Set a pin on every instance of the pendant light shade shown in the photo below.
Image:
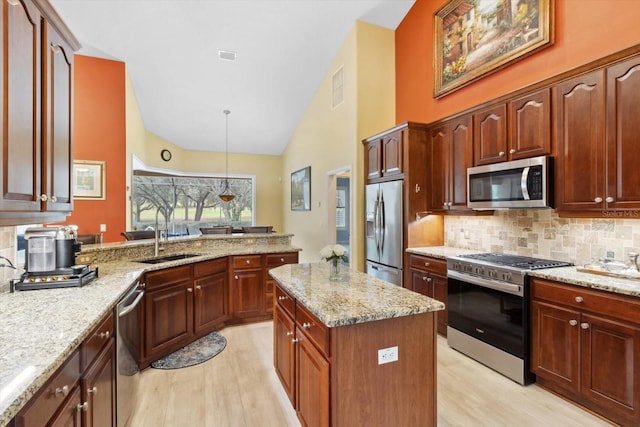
(226, 196)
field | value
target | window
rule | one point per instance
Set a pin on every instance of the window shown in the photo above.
(184, 204)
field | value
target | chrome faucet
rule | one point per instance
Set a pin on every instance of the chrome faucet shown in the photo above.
(157, 247)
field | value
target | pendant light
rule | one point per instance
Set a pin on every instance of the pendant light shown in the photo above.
(226, 196)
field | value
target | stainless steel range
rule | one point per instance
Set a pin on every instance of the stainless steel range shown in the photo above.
(488, 309)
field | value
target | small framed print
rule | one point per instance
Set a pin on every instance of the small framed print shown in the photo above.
(89, 180)
(301, 190)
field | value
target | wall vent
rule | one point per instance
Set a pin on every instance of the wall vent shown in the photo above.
(337, 88)
(227, 55)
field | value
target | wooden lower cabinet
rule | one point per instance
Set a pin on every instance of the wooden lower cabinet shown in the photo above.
(79, 394)
(211, 296)
(428, 276)
(312, 384)
(284, 356)
(586, 347)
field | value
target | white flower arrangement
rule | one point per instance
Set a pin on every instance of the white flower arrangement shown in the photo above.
(334, 252)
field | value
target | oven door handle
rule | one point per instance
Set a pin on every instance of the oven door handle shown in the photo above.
(487, 283)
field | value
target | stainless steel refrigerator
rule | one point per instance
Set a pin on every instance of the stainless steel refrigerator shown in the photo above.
(383, 230)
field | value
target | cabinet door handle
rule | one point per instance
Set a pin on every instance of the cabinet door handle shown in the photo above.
(63, 391)
(189, 290)
(306, 325)
(573, 322)
(501, 153)
(584, 325)
(105, 335)
(512, 151)
(93, 390)
(609, 199)
(598, 200)
(289, 334)
(579, 299)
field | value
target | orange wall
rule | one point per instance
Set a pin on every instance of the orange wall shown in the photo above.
(585, 30)
(99, 134)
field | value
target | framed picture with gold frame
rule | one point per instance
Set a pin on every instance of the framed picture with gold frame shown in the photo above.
(479, 37)
(89, 180)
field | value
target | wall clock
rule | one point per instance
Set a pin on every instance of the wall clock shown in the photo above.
(166, 155)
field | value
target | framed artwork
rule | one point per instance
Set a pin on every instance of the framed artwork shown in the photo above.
(88, 180)
(301, 190)
(474, 38)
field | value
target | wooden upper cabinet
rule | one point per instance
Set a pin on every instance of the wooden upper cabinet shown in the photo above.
(385, 156)
(580, 135)
(623, 131)
(530, 125)
(21, 112)
(490, 135)
(450, 153)
(57, 122)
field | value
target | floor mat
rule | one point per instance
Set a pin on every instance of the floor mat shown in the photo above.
(197, 352)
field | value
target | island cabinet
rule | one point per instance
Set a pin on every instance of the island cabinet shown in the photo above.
(273, 261)
(82, 391)
(347, 372)
(449, 154)
(586, 347)
(429, 277)
(37, 114)
(596, 130)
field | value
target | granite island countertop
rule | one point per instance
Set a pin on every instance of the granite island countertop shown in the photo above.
(41, 328)
(357, 298)
(568, 275)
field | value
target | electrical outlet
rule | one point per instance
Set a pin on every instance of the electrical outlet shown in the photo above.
(611, 254)
(387, 355)
(103, 228)
(85, 259)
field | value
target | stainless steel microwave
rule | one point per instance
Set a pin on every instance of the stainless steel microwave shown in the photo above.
(517, 184)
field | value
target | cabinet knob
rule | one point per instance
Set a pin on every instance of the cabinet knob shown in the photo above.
(282, 298)
(417, 188)
(235, 277)
(306, 325)
(43, 197)
(248, 262)
(579, 299)
(83, 407)
(598, 200)
(105, 335)
(142, 285)
(424, 278)
(444, 205)
(500, 154)
(512, 151)
(63, 391)
(573, 322)
(449, 204)
(609, 199)
(199, 287)
(189, 290)
(281, 259)
(93, 390)
(584, 325)
(429, 280)
(294, 340)
(289, 334)
(427, 264)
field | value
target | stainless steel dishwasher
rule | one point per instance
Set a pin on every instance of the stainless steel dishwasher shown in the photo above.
(128, 342)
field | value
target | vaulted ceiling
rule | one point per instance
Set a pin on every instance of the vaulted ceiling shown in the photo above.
(283, 49)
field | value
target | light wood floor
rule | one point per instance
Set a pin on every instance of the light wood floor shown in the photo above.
(239, 387)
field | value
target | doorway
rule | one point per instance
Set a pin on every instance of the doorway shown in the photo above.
(339, 208)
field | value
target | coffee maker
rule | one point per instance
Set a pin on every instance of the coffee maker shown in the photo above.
(50, 248)
(50, 260)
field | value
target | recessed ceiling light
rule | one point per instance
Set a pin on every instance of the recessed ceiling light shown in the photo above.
(227, 55)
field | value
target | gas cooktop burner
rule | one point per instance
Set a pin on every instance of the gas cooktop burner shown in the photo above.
(516, 261)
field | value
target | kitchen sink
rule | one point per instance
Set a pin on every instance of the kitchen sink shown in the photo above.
(168, 258)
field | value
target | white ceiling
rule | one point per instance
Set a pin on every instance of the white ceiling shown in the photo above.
(170, 47)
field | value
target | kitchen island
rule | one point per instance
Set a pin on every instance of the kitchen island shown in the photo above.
(359, 351)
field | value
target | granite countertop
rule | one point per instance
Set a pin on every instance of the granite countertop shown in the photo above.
(357, 298)
(41, 328)
(567, 275)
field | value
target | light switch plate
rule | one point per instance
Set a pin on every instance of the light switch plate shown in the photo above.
(387, 355)
(103, 228)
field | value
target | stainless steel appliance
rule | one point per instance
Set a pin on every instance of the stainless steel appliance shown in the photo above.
(383, 230)
(517, 184)
(488, 310)
(128, 341)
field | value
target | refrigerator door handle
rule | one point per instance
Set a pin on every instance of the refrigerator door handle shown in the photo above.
(375, 225)
(382, 227)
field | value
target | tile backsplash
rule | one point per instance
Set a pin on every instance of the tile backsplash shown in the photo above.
(542, 233)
